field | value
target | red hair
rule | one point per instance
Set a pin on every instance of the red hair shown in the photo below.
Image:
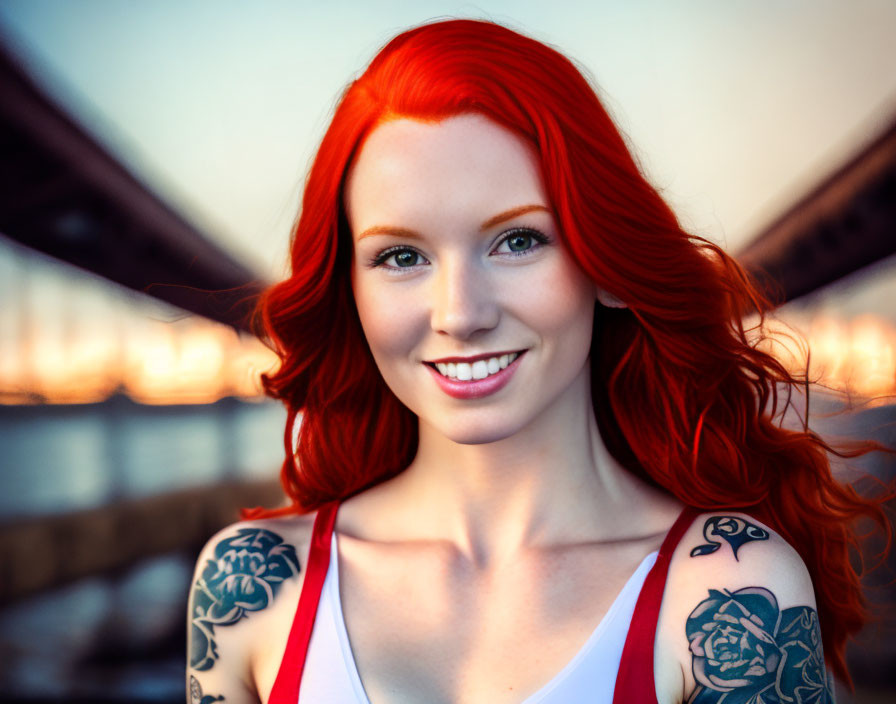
(682, 397)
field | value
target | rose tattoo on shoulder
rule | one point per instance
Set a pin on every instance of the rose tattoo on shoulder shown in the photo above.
(745, 650)
(245, 574)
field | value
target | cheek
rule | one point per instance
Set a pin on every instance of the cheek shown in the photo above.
(560, 304)
(391, 322)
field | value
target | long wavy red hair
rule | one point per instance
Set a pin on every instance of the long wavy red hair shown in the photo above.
(682, 395)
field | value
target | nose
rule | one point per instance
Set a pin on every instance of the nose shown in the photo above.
(463, 301)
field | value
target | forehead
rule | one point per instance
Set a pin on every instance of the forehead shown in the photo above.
(410, 168)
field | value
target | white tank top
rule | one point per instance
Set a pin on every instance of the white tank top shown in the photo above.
(331, 677)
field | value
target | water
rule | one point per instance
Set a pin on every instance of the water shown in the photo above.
(120, 636)
(62, 458)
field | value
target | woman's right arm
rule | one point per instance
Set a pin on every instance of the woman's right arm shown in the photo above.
(244, 592)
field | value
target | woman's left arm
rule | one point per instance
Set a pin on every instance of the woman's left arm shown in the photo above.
(738, 623)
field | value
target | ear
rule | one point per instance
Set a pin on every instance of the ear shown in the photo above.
(608, 299)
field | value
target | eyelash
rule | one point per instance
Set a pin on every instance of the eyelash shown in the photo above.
(539, 237)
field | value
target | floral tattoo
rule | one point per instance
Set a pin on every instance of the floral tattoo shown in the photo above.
(735, 531)
(746, 651)
(245, 574)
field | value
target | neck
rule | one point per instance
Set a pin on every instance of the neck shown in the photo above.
(551, 482)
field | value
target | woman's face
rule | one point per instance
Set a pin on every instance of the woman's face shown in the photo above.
(476, 315)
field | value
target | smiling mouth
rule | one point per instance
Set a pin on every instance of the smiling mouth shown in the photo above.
(476, 370)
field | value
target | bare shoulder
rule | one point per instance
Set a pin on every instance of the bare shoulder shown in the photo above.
(244, 592)
(738, 621)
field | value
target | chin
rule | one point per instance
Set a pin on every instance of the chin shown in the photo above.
(477, 433)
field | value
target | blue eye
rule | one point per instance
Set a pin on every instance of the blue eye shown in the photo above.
(405, 258)
(398, 258)
(521, 241)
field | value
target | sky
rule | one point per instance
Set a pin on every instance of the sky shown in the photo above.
(733, 108)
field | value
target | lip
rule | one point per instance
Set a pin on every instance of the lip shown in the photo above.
(475, 388)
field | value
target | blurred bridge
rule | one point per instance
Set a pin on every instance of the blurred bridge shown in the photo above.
(842, 225)
(63, 194)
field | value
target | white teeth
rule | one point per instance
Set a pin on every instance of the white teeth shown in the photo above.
(480, 369)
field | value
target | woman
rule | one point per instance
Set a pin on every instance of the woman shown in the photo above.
(517, 374)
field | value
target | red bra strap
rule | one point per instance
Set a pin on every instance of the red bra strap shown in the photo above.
(289, 677)
(635, 679)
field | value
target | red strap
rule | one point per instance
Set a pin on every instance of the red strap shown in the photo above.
(635, 680)
(289, 677)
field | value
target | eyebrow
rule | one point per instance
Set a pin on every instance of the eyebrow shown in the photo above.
(491, 222)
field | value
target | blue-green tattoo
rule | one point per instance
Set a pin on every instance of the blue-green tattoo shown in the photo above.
(244, 576)
(746, 651)
(735, 531)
